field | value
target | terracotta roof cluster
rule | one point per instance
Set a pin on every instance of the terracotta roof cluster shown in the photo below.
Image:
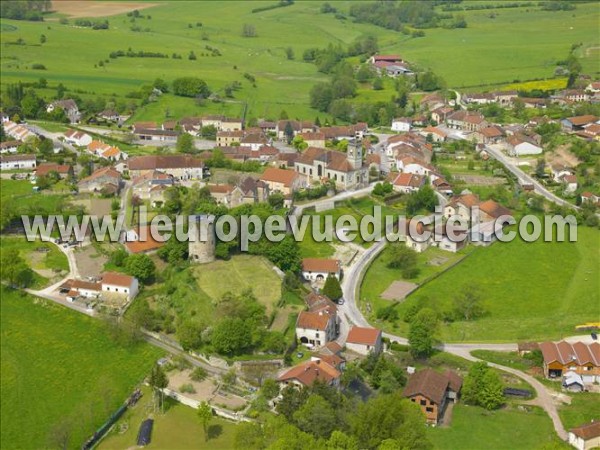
(320, 303)
(320, 265)
(309, 372)
(364, 336)
(334, 160)
(565, 353)
(409, 180)
(152, 162)
(431, 384)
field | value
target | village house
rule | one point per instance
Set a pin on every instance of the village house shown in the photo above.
(157, 135)
(120, 284)
(9, 146)
(409, 144)
(390, 65)
(295, 126)
(253, 141)
(489, 135)
(569, 96)
(226, 195)
(449, 237)
(227, 138)
(254, 191)
(267, 127)
(231, 124)
(432, 391)
(577, 123)
(593, 87)
(180, 167)
(407, 182)
(316, 139)
(520, 144)
(585, 437)
(78, 138)
(579, 357)
(442, 186)
(570, 183)
(591, 132)
(402, 124)
(79, 288)
(441, 113)
(315, 329)
(414, 235)
(412, 165)
(478, 98)
(466, 120)
(307, 373)
(534, 102)
(151, 186)
(142, 240)
(106, 151)
(63, 170)
(350, 132)
(109, 115)
(559, 171)
(437, 135)
(346, 170)
(105, 180)
(191, 125)
(318, 269)
(17, 162)
(588, 197)
(505, 98)
(491, 210)
(363, 340)
(283, 180)
(460, 206)
(17, 131)
(69, 106)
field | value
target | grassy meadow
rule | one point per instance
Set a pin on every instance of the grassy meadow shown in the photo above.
(507, 429)
(60, 368)
(178, 428)
(539, 290)
(517, 44)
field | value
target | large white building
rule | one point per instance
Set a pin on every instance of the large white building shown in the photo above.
(16, 162)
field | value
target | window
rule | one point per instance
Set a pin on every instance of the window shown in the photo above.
(317, 335)
(423, 402)
(429, 409)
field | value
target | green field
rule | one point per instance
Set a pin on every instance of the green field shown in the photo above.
(507, 429)
(60, 367)
(238, 274)
(178, 428)
(517, 44)
(584, 407)
(539, 290)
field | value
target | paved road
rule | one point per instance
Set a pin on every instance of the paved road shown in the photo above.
(525, 178)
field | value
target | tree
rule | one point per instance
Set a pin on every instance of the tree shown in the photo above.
(377, 84)
(422, 329)
(332, 288)
(249, 30)
(321, 95)
(291, 400)
(483, 387)
(190, 87)
(231, 336)
(141, 267)
(341, 441)
(316, 417)
(14, 270)
(364, 73)
(189, 335)
(574, 68)
(270, 389)
(185, 143)
(289, 53)
(161, 85)
(405, 259)
(540, 168)
(467, 304)
(276, 200)
(389, 416)
(43, 39)
(205, 414)
(158, 381)
(288, 131)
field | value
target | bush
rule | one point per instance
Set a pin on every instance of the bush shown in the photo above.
(199, 374)
(38, 66)
(187, 388)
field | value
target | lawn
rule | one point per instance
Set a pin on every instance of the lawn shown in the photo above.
(507, 429)
(238, 274)
(60, 367)
(513, 45)
(178, 428)
(539, 290)
(46, 264)
(584, 407)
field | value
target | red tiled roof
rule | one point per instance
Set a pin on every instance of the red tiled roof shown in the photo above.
(46, 168)
(582, 120)
(313, 321)
(587, 431)
(151, 162)
(117, 279)
(310, 371)
(104, 171)
(493, 209)
(409, 180)
(276, 175)
(365, 336)
(564, 352)
(320, 265)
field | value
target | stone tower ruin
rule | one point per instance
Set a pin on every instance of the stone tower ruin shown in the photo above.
(202, 241)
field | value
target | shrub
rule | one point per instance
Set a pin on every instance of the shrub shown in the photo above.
(187, 388)
(38, 66)
(199, 374)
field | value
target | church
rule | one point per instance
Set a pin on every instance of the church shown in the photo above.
(346, 170)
